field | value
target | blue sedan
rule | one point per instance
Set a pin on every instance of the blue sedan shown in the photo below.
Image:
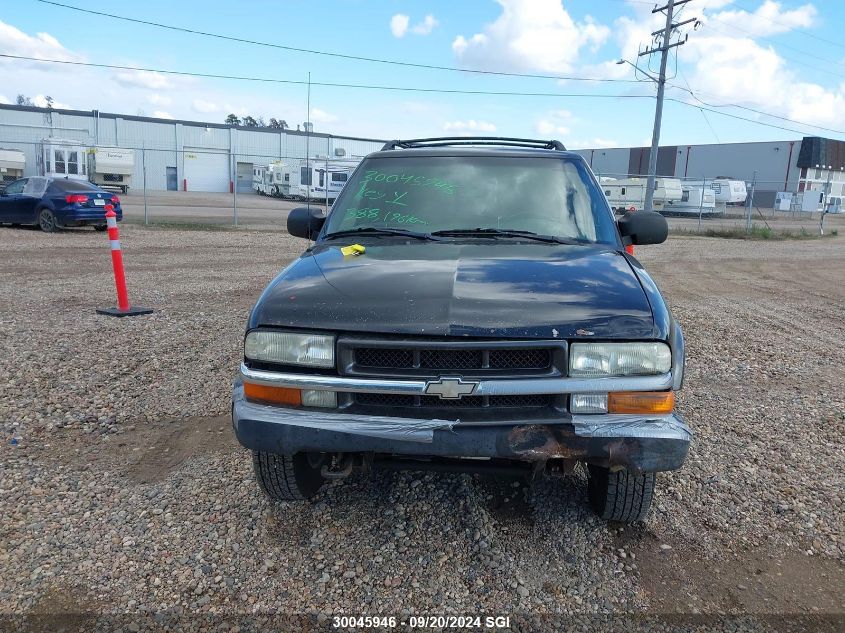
(53, 203)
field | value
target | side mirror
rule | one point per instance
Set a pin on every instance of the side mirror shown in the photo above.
(305, 222)
(643, 227)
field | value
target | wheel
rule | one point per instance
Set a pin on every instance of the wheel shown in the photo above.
(620, 496)
(100, 227)
(285, 478)
(47, 221)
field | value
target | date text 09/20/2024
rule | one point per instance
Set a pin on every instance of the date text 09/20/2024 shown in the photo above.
(422, 621)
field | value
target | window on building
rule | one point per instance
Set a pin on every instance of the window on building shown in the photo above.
(287, 177)
(623, 191)
(59, 157)
(304, 176)
(685, 195)
(339, 177)
(73, 163)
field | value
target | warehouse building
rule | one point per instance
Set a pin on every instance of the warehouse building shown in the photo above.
(169, 154)
(808, 164)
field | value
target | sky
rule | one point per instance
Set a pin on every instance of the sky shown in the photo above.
(784, 58)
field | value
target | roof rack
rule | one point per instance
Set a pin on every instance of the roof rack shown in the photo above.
(468, 141)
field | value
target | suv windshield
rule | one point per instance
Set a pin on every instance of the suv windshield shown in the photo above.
(550, 196)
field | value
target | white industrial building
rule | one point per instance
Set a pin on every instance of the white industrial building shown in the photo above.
(170, 154)
(195, 156)
(807, 164)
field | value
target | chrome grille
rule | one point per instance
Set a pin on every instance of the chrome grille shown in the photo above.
(529, 401)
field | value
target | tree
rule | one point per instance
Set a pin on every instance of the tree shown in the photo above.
(23, 100)
(261, 122)
(232, 119)
(279, 124)
(249, 121)
(49, 101)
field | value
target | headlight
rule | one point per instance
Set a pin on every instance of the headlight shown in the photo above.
(594, 360)
(290, 348)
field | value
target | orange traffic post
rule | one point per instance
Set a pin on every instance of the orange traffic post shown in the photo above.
(123, 308)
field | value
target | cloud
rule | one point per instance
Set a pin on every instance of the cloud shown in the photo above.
(739, 70)
(399, 25)
(426, 26)
(42, 45)
(530, 35)
(768, 19)
(160, 114)
(40, 101)
(159, 100)
(321, 116)
(142, 79)
(554, 122)
(471, 125)
(4, 99)
(204, 107)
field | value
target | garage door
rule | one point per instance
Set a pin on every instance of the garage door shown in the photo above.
(206, 171)
(244, 177)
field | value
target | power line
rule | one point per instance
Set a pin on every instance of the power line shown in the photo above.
(359, 58)
(692, 93)
(815, 67)
(423, 90)
(735, 116)
(327, 84)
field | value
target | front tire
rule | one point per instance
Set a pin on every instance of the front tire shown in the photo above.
(47, 221)
(620, 496)
(286, 478)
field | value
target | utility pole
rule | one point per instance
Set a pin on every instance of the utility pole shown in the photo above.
(664, 49)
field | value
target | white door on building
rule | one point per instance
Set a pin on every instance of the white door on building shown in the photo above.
(245, 177)
(206, 171)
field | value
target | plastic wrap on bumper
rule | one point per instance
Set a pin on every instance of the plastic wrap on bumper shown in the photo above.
(408, 430)
(661, 426)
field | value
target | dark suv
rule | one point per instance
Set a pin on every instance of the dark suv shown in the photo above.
(467, 304)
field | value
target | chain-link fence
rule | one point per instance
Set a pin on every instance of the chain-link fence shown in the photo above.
(207, 186)
(193, 186)
(719, 205)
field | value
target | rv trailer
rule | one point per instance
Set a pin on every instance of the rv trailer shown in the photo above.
(627, 194)
(727, 190)
(694, 199)
(62, 158)
(111, 167)
(12, 163)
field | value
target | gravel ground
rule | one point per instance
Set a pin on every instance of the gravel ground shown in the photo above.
(122, 489)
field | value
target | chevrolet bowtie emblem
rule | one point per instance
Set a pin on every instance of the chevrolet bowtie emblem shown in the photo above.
(450, 388)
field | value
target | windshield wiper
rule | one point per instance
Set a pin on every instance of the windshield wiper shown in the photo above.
(491, 232)
(374, 230)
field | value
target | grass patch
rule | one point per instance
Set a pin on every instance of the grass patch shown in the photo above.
(758, 233)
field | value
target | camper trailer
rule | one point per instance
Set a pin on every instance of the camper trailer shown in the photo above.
(276, 180)
(727, 190)
(259, 175)
(629, 193)
(695, 199)
(318, 179)
(12, 163)
(62, 158)
(111, 167)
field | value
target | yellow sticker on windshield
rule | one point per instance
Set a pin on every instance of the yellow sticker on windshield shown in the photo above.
(354, 249)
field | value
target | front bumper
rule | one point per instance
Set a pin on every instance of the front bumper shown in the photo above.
(641, 444)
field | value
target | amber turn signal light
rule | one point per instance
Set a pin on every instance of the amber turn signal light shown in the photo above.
(272, 395)
(641, 402)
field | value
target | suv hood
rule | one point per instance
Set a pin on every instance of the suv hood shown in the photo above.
(483, 289)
